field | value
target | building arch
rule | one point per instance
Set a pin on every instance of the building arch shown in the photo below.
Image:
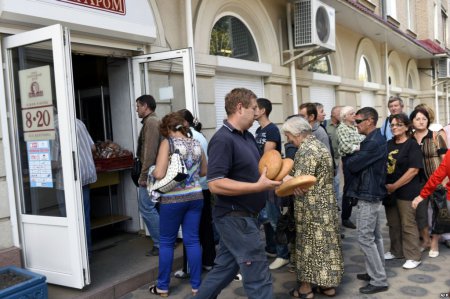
(395, 70)
(366, 49)
(251, 12)
(412, 73)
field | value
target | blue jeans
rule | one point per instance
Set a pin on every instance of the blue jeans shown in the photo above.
(241, 249)
(273, 214)
(187, 214)
(150, 215)
(371, 240)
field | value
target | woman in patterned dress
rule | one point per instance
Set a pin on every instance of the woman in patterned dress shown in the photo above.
(319, 260)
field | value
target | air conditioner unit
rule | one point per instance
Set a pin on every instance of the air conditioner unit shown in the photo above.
(444, 67)
(314, 24)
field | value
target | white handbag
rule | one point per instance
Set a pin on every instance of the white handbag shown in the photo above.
(176, 172)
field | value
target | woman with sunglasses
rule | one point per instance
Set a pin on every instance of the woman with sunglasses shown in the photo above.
(403, 185)
(348, 142)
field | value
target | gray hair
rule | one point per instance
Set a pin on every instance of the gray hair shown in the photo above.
(296, 126)
(344, 111)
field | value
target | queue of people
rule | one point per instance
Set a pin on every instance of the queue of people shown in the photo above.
(386, 166)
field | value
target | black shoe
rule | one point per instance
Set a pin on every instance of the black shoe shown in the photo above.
(364, 277)
(347, 223)
(371, 289)
(153, 252)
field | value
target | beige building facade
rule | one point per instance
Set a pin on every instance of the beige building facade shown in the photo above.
(382, 48)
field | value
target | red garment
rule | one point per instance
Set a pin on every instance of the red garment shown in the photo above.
(437, 177)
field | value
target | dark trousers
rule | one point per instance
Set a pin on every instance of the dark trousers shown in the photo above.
(240, 249)
(206, 234)
(346, 201)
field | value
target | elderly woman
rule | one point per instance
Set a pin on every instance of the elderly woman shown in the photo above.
(180, 206)
(348, 141)
(403, 185)
(433, 148)
(318, 246)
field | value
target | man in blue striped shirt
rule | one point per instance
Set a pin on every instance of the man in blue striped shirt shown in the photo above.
(88, 173)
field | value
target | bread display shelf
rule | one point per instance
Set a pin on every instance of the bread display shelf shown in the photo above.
(113, 164)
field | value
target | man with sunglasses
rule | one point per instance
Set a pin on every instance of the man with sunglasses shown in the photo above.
(368, 166)
(395, 106)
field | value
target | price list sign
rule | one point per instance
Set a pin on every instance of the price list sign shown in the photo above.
(39, 163)
(37, 104)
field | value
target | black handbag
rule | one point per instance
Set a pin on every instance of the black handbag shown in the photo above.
(136, 171)
(285, 231)
(441, 214)
(137, 164)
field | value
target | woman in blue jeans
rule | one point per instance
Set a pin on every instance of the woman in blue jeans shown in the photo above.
(181, 206)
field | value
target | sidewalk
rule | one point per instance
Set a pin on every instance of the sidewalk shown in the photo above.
(428, 280)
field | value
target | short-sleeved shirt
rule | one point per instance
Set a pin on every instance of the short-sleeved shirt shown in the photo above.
(401, 157)
(234, 155)
(268, 133)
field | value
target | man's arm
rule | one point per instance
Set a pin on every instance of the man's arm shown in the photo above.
(269, 145)
(149, 149)
(369, 153)
(229, 187)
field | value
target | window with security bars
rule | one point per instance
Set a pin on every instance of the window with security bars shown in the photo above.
(231, 38)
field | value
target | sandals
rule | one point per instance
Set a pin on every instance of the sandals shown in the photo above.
(296, 294)
(324, 291)
(154, 290)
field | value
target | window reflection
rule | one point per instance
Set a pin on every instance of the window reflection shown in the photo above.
(231, 38)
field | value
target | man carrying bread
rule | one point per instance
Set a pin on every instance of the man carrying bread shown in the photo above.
(233, 177)
(368, 166)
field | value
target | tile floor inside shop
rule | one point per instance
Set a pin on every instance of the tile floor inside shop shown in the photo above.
(428, 280)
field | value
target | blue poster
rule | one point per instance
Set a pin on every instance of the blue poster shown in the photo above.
(40, 164)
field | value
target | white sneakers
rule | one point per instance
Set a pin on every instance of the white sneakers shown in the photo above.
(389, 256)
(410, 264)
(433, 253)
(278, 263)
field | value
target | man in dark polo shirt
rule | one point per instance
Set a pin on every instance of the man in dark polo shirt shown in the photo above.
(233, 177)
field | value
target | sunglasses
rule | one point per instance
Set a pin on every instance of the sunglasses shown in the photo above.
(399, 125)
(358, 121)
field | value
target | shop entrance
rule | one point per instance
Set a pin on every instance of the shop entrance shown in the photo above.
(46, 87)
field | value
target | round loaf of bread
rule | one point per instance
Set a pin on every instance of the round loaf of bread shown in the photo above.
(286, 167)
(272, 160)
(302, 181)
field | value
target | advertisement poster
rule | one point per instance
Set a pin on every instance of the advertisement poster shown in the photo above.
(37, 103)
(40, 164)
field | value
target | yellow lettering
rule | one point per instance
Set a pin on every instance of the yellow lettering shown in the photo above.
(117, 5)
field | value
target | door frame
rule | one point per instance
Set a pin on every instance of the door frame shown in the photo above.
(78, 274)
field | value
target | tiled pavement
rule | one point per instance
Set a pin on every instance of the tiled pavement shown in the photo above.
(430, 280)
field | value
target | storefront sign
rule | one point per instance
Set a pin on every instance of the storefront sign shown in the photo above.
(37, 103)
(114, 6)
(39, 164)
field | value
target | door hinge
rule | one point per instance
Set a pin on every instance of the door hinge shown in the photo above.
(74, 166)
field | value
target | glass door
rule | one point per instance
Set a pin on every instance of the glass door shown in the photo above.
(44, 158)
(169, 78)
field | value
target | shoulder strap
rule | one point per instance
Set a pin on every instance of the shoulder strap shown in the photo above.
(171, 145)
(385, 126)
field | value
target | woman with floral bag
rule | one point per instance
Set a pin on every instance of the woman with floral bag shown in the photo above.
(180, 206)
